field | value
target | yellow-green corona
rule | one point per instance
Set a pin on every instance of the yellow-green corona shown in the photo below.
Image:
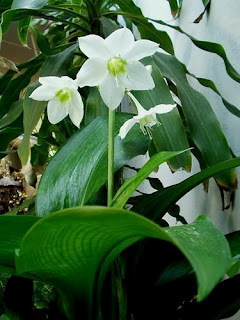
(63, 95)
(116, 66)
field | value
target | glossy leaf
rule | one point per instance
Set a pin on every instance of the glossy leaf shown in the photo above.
(158, 203)
(126, 190)
(95, 106)
(82, 162)
(75, 248)
(146, 29)
(12, 230)
(28, 4)
(170, 135)
(205, 132)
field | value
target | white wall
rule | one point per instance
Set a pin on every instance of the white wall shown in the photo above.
(222, 25)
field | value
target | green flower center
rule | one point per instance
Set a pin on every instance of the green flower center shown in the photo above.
(148, 121)
(116, 65)
(63, 95)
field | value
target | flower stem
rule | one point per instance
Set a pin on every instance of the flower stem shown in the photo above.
(111, 122)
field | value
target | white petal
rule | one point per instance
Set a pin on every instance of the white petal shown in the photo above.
(92, 72)
(69, 83)
(120, 41)
(56, 110)
(137, 77)
(111, 94)
(141, 49)
(76, 109)
(51, 82)
(163, 108)
(126, 127)
(94, 46)
(42, 93)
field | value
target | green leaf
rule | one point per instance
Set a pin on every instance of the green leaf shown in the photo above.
(126, 190)
(13, 113)
(158, 203)
(73, 249)
(95, 106)
(14, 88)
(146, 29)
(42, 42)
(174, 7)
(22, 30)
(205, 132)
(170, 135)
(210, 84)
(82, 162)
(32, 111)
(12, 230)
(58, 64)
(28, 4)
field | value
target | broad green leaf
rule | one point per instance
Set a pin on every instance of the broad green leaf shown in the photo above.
(32, 111)
(82, 162)
(159, 202)
(146, 29)
(22, 30)
(13, 113)
(205, 131)
(126, 190)
(28, 4)
(12, 230)
(74, 248)
(170, 135)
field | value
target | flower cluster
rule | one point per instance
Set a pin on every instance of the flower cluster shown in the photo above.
(112, 65)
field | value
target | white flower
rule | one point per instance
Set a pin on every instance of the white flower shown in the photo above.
(63, 96)
(113, 64)
(146, 118)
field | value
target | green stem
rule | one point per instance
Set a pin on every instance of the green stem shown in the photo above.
(111, 122)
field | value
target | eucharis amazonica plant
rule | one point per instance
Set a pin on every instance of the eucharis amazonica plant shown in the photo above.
(77, 243)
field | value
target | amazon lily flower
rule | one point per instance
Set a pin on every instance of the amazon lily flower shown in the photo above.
(146, 118)
(113, 64)
(63, 98)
